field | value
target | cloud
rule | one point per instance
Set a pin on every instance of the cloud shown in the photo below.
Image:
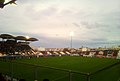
(93, 25)
(99, 40)
(31, 1)
(40, 13)
(52, 20)
(76, 24)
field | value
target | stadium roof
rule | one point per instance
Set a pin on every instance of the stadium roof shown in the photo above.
(6, 36)
(32, 39)
(20, 38)
(9, 36)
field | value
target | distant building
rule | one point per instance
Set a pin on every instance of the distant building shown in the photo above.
(41, 49)
(83, 49)
(54, 49)
(118, 56)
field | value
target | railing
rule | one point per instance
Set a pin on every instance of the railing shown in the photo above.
(37, 72)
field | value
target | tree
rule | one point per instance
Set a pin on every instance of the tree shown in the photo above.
(2, 3)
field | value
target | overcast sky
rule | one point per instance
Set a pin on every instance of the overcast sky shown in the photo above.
(95, 23)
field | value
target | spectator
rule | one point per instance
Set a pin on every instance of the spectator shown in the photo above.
(45, 80)
(2, 78)
(22, 80)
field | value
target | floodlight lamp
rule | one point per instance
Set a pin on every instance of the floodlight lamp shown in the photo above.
(27, 37)
(72, 33)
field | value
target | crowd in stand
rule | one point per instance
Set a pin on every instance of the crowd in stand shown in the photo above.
(10, 47)
(7, 78)
(15, 45)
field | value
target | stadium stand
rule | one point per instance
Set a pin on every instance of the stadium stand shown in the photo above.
(90, 54)
(12, 46)
(105, 52)
(100, 54)
(115, 54)
(109, 53)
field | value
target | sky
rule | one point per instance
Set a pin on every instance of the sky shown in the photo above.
(95, 23)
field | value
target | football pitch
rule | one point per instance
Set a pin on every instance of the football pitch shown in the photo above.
(63, 68)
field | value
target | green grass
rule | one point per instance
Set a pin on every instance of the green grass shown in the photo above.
(79, 64)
